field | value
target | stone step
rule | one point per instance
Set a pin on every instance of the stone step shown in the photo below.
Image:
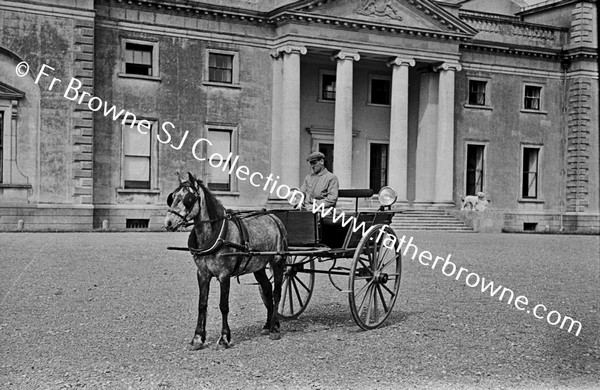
(446, 229)
(430, 219)
(417, 219)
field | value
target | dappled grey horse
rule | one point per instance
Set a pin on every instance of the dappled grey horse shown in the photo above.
(224, 245)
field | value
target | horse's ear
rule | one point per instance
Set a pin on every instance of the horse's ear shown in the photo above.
(179, 177)
(192, 179)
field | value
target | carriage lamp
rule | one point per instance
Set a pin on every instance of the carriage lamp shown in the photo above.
(387, 197)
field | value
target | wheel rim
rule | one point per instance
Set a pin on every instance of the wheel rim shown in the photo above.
(297, 286)
(374, 277)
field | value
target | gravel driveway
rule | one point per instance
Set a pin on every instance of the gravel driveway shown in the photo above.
(116, 311)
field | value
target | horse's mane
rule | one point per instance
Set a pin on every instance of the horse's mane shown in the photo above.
(214, 207)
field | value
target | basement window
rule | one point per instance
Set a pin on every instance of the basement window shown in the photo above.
(529, 226)
(137, 223)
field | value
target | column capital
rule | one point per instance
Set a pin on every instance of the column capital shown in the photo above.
(345, 55)
(455, 66)
(288, 49)
(399, 61)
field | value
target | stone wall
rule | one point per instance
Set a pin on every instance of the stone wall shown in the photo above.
(54, 146)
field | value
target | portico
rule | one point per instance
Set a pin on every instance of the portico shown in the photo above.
(350, 122)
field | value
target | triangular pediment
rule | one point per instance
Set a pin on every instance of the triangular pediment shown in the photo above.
(421, 15)
(9, 93)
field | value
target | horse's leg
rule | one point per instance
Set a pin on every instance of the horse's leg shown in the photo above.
(225, 338)
(278, 268)
(200, 334)
(267, 297)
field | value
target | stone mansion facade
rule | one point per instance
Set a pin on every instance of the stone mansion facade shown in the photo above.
(102, 101)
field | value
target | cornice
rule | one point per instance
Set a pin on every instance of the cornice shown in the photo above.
(504, 19)
(581, 53)
(546, 5)
(492, 47)
(287, 14)
(198, 9)
(48, 10)
(353, 24)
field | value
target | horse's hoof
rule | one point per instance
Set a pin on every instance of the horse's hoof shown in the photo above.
(275, 335)
(222, 343)
(265, 332)
(196, 346)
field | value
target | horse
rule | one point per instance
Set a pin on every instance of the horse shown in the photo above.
(232, 244)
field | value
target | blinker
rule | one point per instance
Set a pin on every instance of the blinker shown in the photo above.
(189, 200)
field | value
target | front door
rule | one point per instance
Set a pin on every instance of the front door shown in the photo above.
(327, 150)
(378, 166)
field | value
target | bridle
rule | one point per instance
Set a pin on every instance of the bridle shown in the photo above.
(189, 200)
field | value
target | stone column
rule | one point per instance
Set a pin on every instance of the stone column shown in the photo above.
(276, 115)
(342, 129)
(398, 151)
(426, 140)
(444, 168)
(290, 115)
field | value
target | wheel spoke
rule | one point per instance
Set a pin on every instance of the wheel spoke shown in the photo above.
(388, 290)
(382, 257)
(365, 266)
(365, 297)
(363, 287)
(388, 263)
(301, 283)
(284, 288)
(385, 309)
(297, 292)
(291, 297)
(369, 306)
(376, 310)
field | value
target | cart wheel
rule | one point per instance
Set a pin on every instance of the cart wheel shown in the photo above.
(374, 277)
(297, 286)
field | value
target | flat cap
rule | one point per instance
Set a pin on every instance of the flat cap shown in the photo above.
(314, 156)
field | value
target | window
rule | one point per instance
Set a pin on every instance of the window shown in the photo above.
(474, 180)
(219, 178)
(379, 90)
(327, 87)
(530, 176)
(378, 166)
(222, 67)
(140, 58)
(9, 101)
(532, 97)
(140, 156)
(477, 92)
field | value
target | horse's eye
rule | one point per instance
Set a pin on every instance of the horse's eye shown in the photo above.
(170, 200)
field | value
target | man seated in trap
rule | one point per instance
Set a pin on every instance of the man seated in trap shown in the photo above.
(320, 186)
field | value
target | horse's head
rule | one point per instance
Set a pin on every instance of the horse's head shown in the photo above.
(185, 203)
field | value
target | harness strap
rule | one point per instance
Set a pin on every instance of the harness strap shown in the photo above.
(245, 246)
(213, 246)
